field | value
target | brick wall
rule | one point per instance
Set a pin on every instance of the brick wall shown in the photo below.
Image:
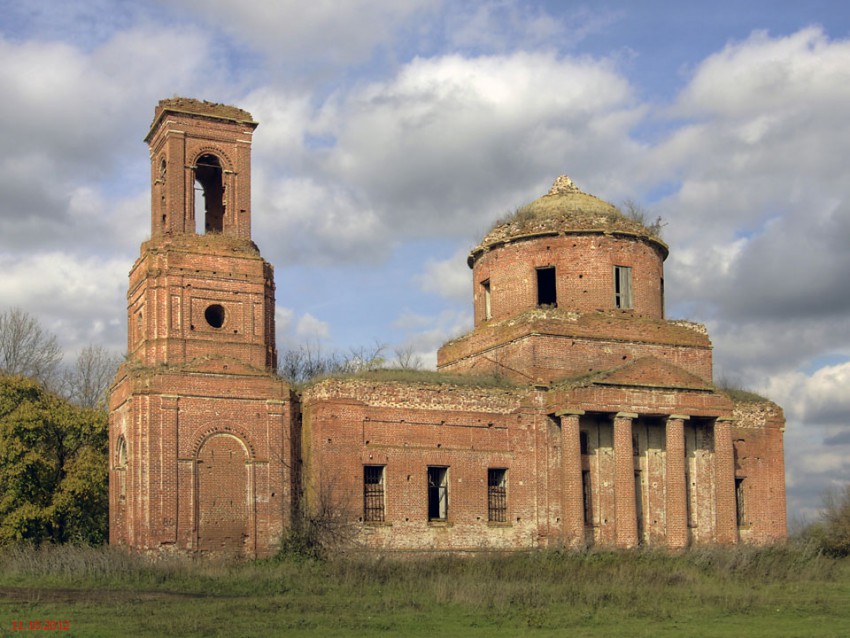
(405, 428)
(210, 461)
(584, 267)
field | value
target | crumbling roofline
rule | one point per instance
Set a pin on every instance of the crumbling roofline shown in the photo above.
(655, 241)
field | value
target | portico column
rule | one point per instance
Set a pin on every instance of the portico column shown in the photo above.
(726, 530)
(624, 481)
(572, 504)
(675, 489)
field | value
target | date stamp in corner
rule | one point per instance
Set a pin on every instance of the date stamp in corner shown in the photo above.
(41, 625)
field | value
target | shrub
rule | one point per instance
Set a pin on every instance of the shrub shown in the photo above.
(832, 532)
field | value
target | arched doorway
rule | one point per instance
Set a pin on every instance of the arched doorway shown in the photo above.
(209, 177)
(224, 495)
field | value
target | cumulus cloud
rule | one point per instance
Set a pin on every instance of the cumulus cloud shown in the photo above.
(75, 119)
(310, 33)
(426, 333)
(60, 290)
(310, 328)
(827, 401)
(449, 278)
(506, 25)
(758, 221)
(441, 148)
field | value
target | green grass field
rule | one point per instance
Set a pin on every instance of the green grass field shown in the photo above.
(780, 591)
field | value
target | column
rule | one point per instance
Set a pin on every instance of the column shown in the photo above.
(572, 503)
(726, 530)
(166, 518)
(674, 486)
(624, 481)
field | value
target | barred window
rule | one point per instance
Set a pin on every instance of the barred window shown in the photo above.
(497, 495)
(373, 493)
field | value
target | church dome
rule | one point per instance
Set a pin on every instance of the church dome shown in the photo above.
(565, 209)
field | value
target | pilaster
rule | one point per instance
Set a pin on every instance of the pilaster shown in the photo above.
(624, 481)
(572, 508)
(675, 489)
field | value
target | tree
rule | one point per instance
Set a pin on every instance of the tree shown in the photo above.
(832, 531)
(636, 212)
(53, 467)
(87, 383)
(308, 361)
(406, 358)
(26, 348)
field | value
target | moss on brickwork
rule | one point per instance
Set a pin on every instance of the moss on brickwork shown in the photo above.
(428, 377)
(618, 325)
(208, 243)
(202, 107)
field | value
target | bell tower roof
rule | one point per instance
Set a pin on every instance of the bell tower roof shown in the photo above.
(200, 169)
(192, 107)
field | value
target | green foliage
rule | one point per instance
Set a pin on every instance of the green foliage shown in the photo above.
(53, 467)
(737, 392)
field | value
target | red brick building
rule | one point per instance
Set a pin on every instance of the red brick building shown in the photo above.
(202, 430)
(573, 414)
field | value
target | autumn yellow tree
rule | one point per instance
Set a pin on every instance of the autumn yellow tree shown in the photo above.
(53, 467)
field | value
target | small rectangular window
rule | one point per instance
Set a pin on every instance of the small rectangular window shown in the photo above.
(488, 311)
(639, 503)
(623, 287)
(690, 509)
(586, 496)
(497, 495)
(547, 290)
(582, 441)
(373, 493)
(438, 493)
(740, 503)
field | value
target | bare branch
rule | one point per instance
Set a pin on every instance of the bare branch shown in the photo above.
(87, 383)
(27, 349)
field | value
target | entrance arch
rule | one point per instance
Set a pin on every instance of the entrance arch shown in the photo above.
(224, 495)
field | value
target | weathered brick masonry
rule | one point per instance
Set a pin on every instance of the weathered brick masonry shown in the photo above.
(573, 414)
(203, 430)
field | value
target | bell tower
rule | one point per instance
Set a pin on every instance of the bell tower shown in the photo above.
(200, 285)
(201, 427)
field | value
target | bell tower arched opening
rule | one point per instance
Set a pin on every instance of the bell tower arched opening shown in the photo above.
(209, 182)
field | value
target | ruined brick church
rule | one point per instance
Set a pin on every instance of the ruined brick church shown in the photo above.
(573, 414)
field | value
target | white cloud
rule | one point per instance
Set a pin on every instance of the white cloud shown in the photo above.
(757, 223)
(310, 328)
(827, 400)
(60, 289)
(283, 319)
(425, 334)
(449, 143)
(507, 25)
(449, 278)
(318, 31)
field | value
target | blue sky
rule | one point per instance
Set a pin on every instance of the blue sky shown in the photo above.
(392, 134)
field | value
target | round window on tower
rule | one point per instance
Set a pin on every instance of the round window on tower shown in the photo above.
(214, 315)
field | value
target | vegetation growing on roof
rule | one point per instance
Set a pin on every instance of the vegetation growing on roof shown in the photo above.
(406, 375)
(565, 208)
